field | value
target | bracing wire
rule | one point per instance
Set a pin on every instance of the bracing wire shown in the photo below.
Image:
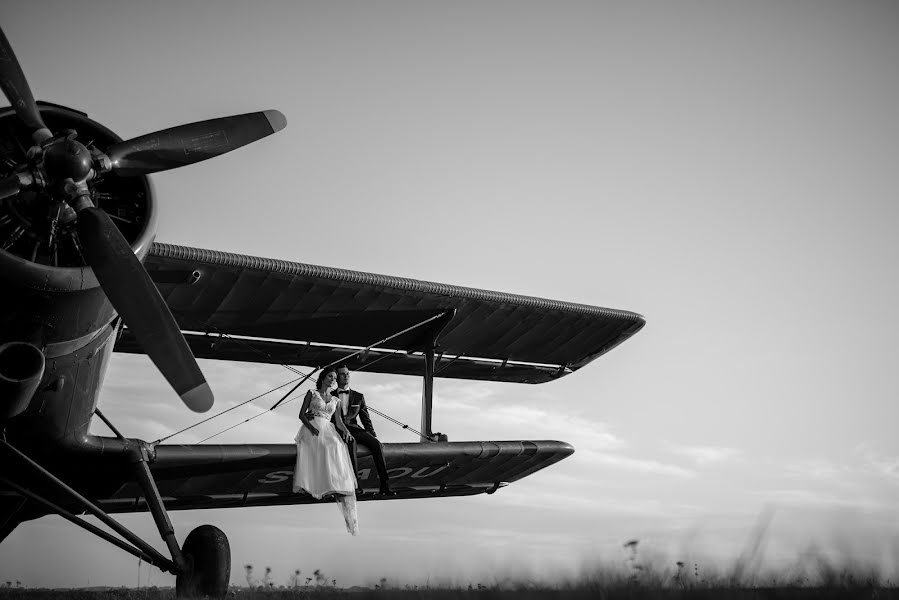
(391, 419)
(160, 440)
(288, 401)
(300, 381)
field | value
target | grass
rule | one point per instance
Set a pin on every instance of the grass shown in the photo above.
(641, 576)
(629, 592)
(679, 582)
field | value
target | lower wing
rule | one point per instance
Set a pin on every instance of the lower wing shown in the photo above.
(224, 476)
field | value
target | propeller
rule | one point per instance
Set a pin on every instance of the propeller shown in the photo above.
(136, 298)
(15, 86)
(69, 166)
(191, 143)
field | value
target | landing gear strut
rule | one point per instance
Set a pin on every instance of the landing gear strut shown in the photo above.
(202, 566)
(203, 563)
(208, 570)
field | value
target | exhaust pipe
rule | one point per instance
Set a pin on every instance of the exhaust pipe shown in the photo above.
(21, 370)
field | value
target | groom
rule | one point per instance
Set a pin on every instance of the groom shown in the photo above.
(352, 405)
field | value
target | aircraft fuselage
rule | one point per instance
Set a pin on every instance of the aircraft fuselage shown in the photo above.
(51, 304)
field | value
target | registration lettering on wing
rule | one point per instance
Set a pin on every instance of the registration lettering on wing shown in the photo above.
(365, 474)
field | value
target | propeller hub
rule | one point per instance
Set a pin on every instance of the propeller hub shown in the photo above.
(67, 159)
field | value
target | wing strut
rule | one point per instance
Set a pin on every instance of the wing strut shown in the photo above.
(427, 389)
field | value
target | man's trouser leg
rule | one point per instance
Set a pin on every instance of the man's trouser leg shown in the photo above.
(377, 453)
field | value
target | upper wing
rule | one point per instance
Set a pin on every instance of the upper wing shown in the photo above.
(224, 476)
(234, 307)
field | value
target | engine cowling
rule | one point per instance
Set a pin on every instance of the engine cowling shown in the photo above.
(49, 297)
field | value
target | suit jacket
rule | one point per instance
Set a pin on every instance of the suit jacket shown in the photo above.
(355, 409)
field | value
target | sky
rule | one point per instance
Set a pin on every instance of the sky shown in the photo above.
(726, 169)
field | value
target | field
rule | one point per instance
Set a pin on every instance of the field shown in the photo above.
(842, 585)
(634, 592)
(812, 577)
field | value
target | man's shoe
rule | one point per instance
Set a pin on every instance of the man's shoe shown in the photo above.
(386, 491)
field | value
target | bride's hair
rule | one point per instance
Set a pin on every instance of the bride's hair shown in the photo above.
(322, 375)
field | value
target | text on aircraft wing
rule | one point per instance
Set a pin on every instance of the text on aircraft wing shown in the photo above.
(225, 476)
(293, 313)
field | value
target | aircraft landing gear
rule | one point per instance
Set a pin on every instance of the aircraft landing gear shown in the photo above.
(207, 555)
(203, 563)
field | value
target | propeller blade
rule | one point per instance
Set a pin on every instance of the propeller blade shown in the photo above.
(191, 143)
(16, 89)
(135, 297)
(10, 186)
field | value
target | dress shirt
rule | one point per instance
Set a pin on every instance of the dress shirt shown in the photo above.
(344, 395)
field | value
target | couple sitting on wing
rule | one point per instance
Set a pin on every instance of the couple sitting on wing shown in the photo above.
(327, 440)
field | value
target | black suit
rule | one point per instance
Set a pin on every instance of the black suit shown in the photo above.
(363, 434)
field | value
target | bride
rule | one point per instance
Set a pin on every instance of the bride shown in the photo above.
(323, 462)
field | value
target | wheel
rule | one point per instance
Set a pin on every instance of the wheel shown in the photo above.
(208, 557)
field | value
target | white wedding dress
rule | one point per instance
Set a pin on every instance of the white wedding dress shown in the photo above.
(323, 461)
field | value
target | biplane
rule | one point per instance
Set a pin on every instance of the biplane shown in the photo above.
(82, 276)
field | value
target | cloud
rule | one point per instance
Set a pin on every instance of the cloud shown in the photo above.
(402, 391)
(875, 462)
(865, 479)
(817, 468)
(640, 465)
(140, 403)
(868, 464)
(706, 455)
(479, 411)
(593, 502)
(484, 411)
(826, 498)
(585, 434)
